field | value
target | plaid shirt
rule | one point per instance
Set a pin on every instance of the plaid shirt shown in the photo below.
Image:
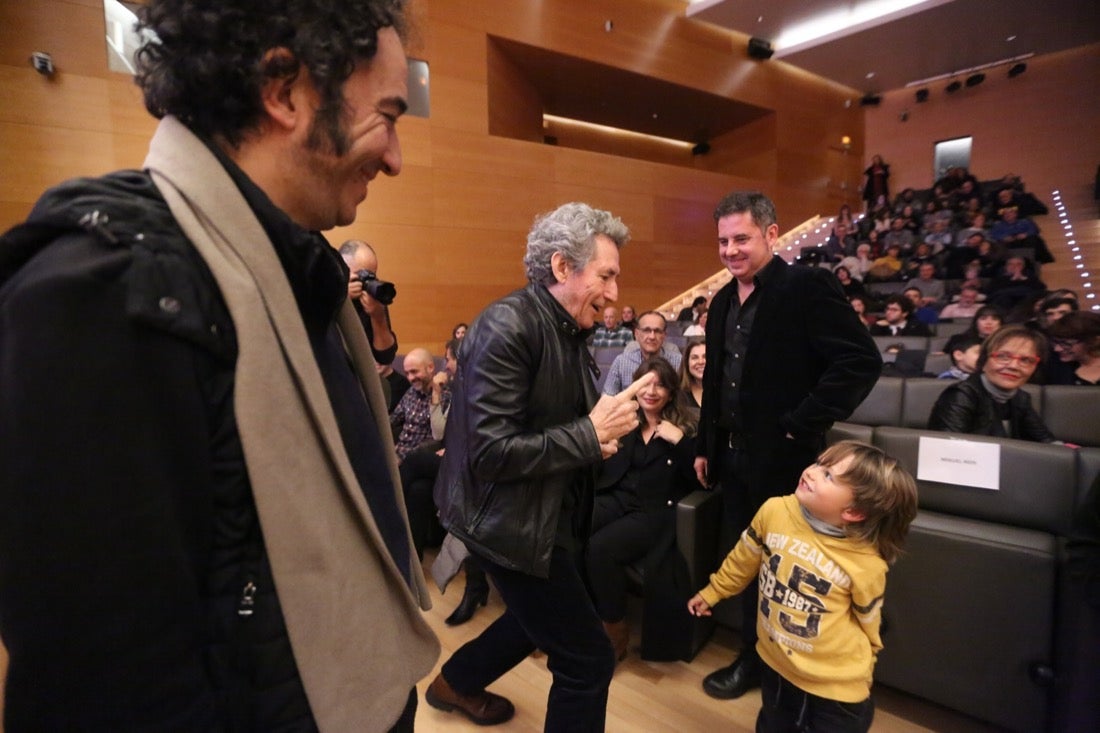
(413, 416)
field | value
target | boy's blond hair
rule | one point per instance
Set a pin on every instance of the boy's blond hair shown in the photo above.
(883, 491)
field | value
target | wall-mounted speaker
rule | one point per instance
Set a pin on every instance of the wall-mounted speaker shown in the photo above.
(760, 49)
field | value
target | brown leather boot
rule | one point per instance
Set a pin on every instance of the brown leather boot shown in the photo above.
(484, 708)
(619, 633)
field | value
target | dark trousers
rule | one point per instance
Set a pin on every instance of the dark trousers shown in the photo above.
(418, 472)
(785, 708)
(621, 536)
(555, 615)
(749, 477)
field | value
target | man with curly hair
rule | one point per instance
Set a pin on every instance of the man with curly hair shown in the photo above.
(204, 529)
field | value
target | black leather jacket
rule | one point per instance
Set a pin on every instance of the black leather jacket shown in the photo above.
(521, 453)
(967, 407)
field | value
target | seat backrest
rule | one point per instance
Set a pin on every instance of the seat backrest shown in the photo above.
(1072, 413)
(911, 343)
(937, 363)
(952, 326)
(1038, 482)
(1088, 470)
(918, 396)
(882, 406)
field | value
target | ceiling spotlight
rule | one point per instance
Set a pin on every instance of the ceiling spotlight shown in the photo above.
(975, 79)
(1017, 69)
(953, 87)
(922, 95)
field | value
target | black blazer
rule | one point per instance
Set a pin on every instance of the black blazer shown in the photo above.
(810, 362)
(666, 475)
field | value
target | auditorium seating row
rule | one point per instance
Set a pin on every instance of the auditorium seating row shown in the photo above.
(977, 614)
(1069, 411)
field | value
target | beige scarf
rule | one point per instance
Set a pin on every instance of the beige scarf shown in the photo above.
(356, 630)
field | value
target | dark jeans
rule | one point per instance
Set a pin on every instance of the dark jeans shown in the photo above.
(786, 709)
(749, 478)
(555, 615)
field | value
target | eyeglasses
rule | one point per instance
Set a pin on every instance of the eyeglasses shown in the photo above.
(648, 331)
(1064, 343)
(1004, 358)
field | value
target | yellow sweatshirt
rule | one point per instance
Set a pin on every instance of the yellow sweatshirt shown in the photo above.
(820, 600)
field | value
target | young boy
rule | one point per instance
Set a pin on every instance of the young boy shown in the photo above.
(964, 349)
(822, 555)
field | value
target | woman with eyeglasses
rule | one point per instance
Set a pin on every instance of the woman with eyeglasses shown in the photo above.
(1076, 341)
(991, 402)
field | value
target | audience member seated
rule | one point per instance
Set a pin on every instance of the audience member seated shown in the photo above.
(964, 350)
(459, 331)
(1048, 310)
(859, 263)
(1014, 285)
(911, 220)
(844, 216)
(1076, 341)
(986, 322)
(1011, 193)
(898, 361)
(899, 236)
(1013, 231)
(849, 284)
(969, 251)
(908, 197)
(411, 419)
(926, 314)
(861, 304)
(611, 332)
(839, 244)
(940, 237)
(690, 314)
(933, 291)
(636, 496)
(692, 364)
(650, 337)
(922, 254)
(886, 268)
(699, 328)
(975, 225)
(991, 401)
(421, 465)
(629, 320)
(897, 321)
(966, 306)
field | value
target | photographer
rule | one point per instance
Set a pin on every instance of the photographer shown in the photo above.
(371, 298)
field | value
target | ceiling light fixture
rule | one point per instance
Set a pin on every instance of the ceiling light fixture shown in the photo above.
(922, 95)
(1016, 69)
(854, 18)
(953, 87)
(975, 79)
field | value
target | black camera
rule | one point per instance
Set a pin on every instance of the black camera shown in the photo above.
(380, 290)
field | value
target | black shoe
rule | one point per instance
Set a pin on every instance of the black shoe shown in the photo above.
(735, 680)
(471, 599)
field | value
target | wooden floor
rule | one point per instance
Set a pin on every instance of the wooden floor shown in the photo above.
(650, 696)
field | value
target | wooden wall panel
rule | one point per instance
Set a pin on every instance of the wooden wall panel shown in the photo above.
(515, 107)
(450, 229)
(1041, 125)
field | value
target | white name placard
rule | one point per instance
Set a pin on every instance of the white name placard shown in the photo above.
(962, 462)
